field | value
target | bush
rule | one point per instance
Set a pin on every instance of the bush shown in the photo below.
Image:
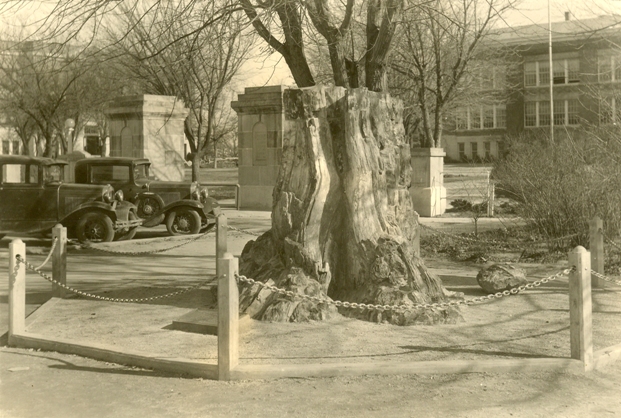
(559, 187)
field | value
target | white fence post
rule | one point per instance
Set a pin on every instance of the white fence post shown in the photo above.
(596, 246)
(221, 240)
(228, 316)
(17, 288)
(59, 260)
(580, 307)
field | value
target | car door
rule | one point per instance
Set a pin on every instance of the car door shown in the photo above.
(25, 204)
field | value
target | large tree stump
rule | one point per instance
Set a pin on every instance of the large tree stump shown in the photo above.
(342, 218)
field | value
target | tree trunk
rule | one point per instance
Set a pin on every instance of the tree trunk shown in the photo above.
(196, 166)
(342, 218)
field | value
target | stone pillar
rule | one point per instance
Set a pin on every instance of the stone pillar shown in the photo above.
(260, 123)
(427, 189)
(149, 126)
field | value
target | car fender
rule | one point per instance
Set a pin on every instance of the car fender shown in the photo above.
(212, 207)
(185, 203)
(70, 219)
(148, 194)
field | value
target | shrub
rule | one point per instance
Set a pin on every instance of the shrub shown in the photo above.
(559, 187)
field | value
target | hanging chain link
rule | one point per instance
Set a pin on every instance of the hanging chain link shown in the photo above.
(605, 278)
(232, 228)
(493, 242)
(610, 241)
(406, 308)
(105, 298)
(161, 250)
(54, 242)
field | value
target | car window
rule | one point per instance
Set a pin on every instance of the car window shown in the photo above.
(141, 172)
(103, 174)
(14, 173)
(53, 174)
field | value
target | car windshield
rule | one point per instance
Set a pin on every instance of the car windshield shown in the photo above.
(141, 172)
(53, 174)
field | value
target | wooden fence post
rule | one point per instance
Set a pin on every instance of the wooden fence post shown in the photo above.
(221, 240)
(228, 316)
(416, 240)
(17, 289)
(59, 261)
(596, 235)
(580, 307)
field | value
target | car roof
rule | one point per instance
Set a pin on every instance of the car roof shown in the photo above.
(25, 159)
(114, 160)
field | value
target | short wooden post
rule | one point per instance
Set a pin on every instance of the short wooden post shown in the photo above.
(596, 234)
(221, 239)
(17, 289)
(491, 191)
(228, 316)
(580, 307)
(416, 240)
(59, 260)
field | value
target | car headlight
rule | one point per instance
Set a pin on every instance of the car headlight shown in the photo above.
(108, 194)
(195, 191)
(204, 194)
(119, 195)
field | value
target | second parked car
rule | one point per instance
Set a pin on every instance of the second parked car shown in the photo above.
(185, 207)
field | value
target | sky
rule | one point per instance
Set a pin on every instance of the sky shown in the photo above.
(273, 71)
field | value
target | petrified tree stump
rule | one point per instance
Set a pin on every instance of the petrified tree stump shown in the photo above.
(342, 218)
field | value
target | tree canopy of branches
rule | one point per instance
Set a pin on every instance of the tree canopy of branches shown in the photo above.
(163, 54)
(44, 84)
(438, 45)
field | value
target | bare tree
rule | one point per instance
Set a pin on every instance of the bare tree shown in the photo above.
(155, 50)
(439, 44)
(43, 84)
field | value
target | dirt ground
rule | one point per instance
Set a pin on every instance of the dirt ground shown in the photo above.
(534, 324)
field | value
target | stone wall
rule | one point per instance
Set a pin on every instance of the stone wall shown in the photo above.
(260, 123)
(149, 126)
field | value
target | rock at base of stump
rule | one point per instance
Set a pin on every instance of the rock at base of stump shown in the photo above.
(500, 277)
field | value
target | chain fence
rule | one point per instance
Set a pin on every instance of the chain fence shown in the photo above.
(605, 278)
(49, 256)
(105, 298)
(185, 241)
(493, 242)
(232, 228)
(404, 308)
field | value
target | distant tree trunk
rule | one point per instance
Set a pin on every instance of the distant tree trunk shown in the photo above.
(215, 154)
(196, 166)
(342, 217)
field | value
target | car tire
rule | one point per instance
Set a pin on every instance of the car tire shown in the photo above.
(94, 227)
(183, 222)
(148, 206)
(127, 235)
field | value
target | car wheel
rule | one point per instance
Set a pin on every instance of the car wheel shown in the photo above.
(148, 206)
(124, 235)
(183, 222)
(94, 227)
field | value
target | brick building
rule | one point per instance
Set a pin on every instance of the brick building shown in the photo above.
(586, 82)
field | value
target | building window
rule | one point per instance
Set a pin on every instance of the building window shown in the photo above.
(565, 71)
(474, 146)
(609, 67)
(488, 150)
(566, 112)
(501, 116)
(481, 117)
(475, 117)
(530, 114)
(6, 147)
(16, 148)
(610, 111)
(461, 119)
(488, 117)
(462, 151)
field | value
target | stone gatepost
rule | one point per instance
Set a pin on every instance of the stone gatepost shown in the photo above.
(260, 123)
(427, 189)
(149, 126)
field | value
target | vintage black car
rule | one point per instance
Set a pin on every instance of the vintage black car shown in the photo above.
(34, 198)
(185, 207)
